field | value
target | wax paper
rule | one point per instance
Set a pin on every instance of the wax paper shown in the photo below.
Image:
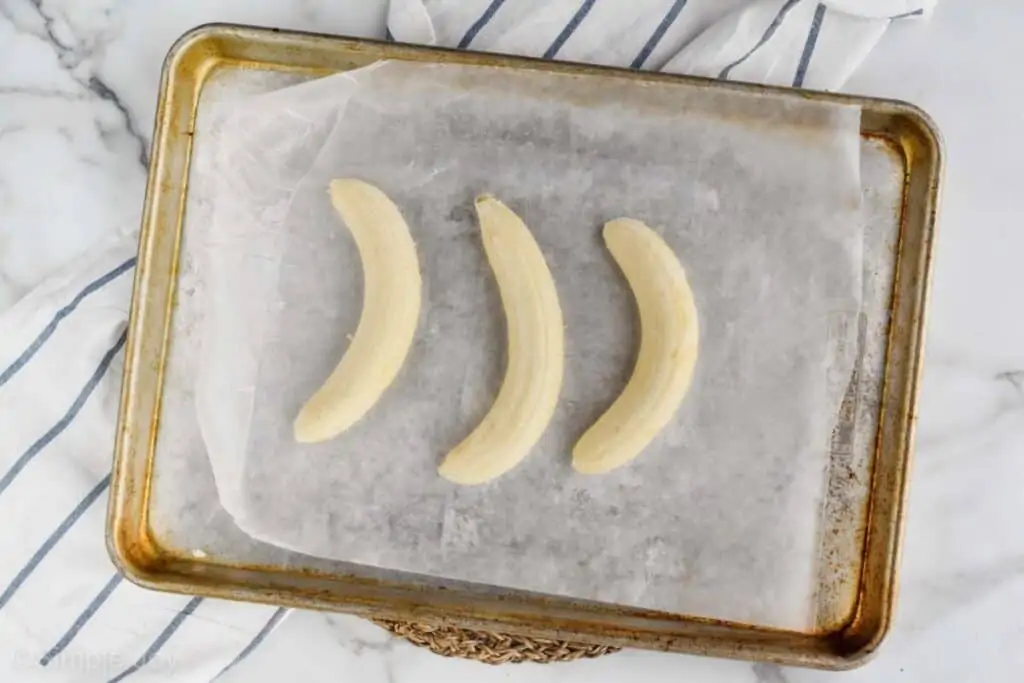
(759, 197)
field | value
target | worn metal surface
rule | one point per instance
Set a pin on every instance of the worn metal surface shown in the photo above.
(857, 606)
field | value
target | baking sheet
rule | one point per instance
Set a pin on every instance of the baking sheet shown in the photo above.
(720, 517)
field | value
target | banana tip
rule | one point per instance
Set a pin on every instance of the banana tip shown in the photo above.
(591, 463)
(622, 226)
(461, 477)
(302, 434)
(305, 429)
(588, 467)
(342, 183)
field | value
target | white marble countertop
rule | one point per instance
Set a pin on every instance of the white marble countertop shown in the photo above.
(78, 82)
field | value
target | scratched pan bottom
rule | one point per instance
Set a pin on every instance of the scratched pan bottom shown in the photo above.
(168, 531)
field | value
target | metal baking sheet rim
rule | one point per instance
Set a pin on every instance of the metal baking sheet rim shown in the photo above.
(137, 554)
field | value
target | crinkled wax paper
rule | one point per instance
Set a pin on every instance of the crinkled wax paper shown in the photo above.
(759, 196)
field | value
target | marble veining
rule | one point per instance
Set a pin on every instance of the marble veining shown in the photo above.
(78, 83)
(71, 52)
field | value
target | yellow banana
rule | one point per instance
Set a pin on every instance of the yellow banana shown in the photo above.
(668, 350)
(533, 376)
(387, 324)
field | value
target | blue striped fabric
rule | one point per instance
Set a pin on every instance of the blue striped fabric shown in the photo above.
(658, 34)
(765, 37)
(52, 540)
(812, 40)
(480, 23)
(569, 29)
(82, 619)
(64, 312)
(83, 634)
(161, 640)
(68, 417)
(915, 13)
(255, 642)
(708, 38)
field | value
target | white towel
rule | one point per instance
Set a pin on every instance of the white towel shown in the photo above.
(802, 43)
(65, 614)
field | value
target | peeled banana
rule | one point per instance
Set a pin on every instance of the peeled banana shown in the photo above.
(391, 309)
(533, 376)
(668, 350)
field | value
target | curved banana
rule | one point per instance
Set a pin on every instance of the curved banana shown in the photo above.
(533, 376)
(387, 324)
(668, 350)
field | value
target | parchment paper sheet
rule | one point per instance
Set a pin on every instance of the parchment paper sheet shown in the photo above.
(759, 198)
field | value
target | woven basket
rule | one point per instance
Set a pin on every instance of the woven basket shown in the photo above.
(489, 647)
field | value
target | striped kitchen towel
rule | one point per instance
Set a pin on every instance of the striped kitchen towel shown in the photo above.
(65, 612)
(802, 43)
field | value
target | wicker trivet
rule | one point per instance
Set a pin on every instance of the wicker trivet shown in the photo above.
(491, 648)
